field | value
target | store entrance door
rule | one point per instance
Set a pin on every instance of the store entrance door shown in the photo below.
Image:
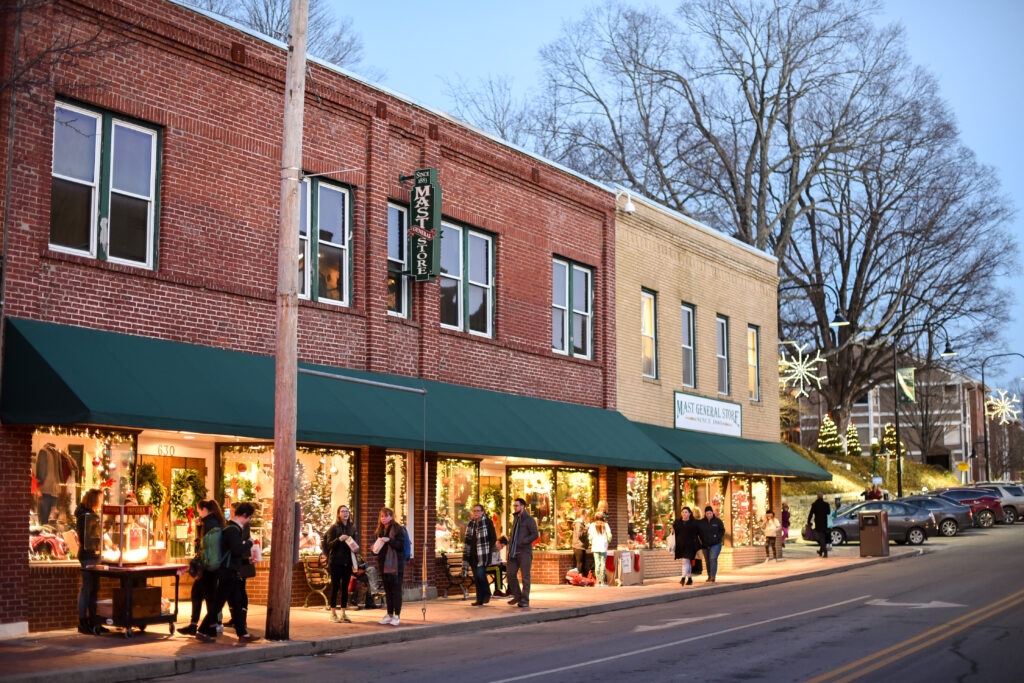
(163, 525)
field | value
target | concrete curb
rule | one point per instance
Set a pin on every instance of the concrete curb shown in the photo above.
(167, 666)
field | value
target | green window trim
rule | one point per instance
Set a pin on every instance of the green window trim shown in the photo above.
(102, 186)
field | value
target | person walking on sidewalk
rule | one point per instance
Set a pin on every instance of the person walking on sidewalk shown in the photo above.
(600, 537)
(772, 536)
(341, 546)
(520, 553)
(235, 549)
(712, 531)
(819, 514)
(204, 588)
(580, 542)
(480, 540)
(90, 541)
(390, 549)
(785, 523)
(687, 536)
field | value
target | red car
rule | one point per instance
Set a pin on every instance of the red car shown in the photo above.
(986, 508)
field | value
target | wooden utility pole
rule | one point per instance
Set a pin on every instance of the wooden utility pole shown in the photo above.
(285, 394)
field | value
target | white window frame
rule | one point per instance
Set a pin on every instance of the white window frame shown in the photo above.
(570, 312)
(401, 267)
(99, 227)
(646, 294)
(722, 352)
(309, 246)
(460, 303)
(463, 281)
(564, 308)
(753, 361)
(688, 313)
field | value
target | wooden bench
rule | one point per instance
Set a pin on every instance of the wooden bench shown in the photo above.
(318, 579)
(451, 569)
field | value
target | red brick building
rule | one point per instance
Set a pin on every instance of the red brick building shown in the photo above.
(139, 279)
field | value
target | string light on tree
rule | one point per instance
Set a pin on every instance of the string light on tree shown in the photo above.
(853, 446)
(799, 370)
(1002, 407)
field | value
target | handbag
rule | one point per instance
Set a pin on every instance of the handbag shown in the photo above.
(808, 533)
(195, 567)
(697, 566)
(246, 570)
(672, 542)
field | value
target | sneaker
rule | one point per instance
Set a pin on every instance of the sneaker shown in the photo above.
(248, 637)
(514, 601)
(524, 605)
(189, 630)
(335, 618)
(344, 617)
(386, 621)
(220, 628)
(395, 620)
(204, 637)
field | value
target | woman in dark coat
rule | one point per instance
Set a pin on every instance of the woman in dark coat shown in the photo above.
(687, 543)
(390, 548)
(342, 541)
(90, 545)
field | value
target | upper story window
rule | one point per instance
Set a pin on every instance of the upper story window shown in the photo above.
(649, 333)
(689, 356)
(399, 282)
(571, 308)
(103, 195)
(753, 365)
(324, 242)
(722, 327)
(467, 280)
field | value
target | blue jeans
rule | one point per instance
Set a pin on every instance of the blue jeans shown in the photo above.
(711, 559)
(87, 596)
(483, 586)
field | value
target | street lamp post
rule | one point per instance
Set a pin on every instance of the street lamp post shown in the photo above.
(946, 353)
(984, 412)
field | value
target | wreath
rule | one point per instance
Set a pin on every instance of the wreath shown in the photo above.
(239, 487)
(149, 489)
(187, 489)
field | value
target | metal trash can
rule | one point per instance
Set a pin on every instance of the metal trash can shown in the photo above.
(874, 533)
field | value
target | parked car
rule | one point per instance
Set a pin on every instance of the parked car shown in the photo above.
(950, 517)
(1010, 496)
(907, 523)
(986, 508)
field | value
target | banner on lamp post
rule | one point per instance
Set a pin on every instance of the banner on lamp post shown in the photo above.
(425, 225)
(905, 385)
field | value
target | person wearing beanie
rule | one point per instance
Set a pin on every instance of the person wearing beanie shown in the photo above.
(712, 531)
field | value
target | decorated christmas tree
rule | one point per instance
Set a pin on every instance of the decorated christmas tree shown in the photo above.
(315, 500)
(828, 437)
(889, 439)
(853, 446)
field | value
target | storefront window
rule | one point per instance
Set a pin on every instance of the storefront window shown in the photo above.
(699, 492)
(535, 485)
(493, 500)
(742, 513)
(662, 507)
(66, 462)
(396, 493)
(637, 488)
(457, 487)
(575, 492)
(760, 502)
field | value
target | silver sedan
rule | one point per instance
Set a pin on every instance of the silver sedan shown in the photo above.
(907, 523)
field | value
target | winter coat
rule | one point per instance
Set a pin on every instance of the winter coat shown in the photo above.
(90, 535)
(524, 531)
(396, 540)
(599, 542)
(339, 554)
(772, 528)
(820, 511)
(687, 538)
(712, 531)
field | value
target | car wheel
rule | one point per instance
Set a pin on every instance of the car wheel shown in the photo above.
(915, 536)
(986, 518)
(1009, 515)
(837, 536)
(949, 527)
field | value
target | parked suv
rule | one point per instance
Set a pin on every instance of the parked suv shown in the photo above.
(986, 507)
(951, 518)
(1010, 496)
(907, 523)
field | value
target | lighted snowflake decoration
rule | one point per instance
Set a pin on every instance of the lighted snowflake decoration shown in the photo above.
(1001, 407)
(800, 370)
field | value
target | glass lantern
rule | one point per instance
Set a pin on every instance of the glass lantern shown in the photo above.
(126, 531)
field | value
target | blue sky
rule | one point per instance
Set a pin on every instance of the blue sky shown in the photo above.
(969, 46)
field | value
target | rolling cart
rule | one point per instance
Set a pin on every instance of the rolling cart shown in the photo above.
(131, 578)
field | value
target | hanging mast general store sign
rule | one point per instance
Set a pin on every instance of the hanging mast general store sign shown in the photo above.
(700, 414)
(425, 224)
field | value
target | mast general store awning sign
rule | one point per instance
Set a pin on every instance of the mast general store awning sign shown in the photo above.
(424, 224)
(701, 414)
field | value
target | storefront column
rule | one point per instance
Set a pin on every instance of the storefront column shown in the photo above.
(612, 490)
(372, 474)
(16, 482)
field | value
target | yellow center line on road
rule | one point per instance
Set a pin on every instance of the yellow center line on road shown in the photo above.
(882, 658)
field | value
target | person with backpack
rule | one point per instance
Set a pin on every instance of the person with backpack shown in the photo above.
(235, 551)
(341, 545)
(390, 547)
(480, 539)
(204, 588)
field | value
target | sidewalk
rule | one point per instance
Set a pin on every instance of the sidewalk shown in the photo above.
(78, 658)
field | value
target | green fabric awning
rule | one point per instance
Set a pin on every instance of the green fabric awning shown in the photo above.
(717, 453)
(57, 374)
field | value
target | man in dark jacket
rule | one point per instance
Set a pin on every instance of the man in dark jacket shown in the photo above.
(480, 539)
(236, 548)
(820, 511)
(712, 532)
(520, 553)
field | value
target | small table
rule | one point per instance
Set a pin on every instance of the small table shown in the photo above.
(129, 576)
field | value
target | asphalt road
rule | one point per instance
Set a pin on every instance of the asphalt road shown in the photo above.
(954, 614)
